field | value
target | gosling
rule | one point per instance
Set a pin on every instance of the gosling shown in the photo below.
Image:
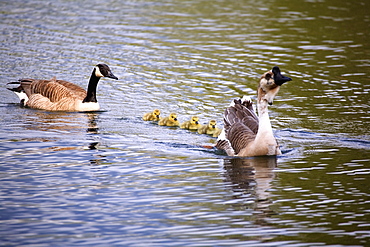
(210, 129)
(192, 124)
(152, 116)
(170, 121)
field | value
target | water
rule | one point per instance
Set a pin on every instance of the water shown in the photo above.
(108, 178)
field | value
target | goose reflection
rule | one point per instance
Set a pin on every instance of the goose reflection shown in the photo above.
(252, 177)
(54, 126)
(92, 127)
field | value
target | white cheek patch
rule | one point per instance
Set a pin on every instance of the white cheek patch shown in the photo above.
(22, 96)
(97, 72)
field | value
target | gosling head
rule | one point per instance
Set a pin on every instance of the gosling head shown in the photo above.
(172, 117)
(156, 113)
(194, 120)
(270, 83)
(212, 124)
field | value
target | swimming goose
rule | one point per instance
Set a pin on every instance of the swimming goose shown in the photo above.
(152, 116)
(244, 133)
(59, 95)
(170, 121)
(192, 124)
(210, 129)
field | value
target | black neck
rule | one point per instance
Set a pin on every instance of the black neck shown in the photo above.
(91, 89)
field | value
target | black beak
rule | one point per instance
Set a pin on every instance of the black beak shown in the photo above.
(278, 77)
(105, 71)
(110, 75)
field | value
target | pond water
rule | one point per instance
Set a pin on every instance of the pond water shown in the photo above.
(110, 179)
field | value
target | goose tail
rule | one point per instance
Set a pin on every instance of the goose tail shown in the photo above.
(224, 144)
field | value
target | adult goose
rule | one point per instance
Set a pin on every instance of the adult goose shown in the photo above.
(244, 133)
(59, 95)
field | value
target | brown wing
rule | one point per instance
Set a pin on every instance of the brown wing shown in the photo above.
(241, 112)
(226, 146)
(53, 89)
(239, 136)
(77, 90)
(241, 124)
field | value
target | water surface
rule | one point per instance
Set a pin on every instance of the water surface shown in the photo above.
(109, 178)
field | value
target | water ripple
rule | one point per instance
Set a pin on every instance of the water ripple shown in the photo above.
(109, 178)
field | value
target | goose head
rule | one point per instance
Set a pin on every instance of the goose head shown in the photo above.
(102, 70)
(279, 79)
(269, 85)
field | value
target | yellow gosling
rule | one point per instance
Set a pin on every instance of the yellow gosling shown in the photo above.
(192, 124)
(170, 121)
(152, 116)
(210, 129)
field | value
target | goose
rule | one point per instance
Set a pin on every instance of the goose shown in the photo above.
(170, 121)
(59, 95)
(192, 124)
(210, 129)
(244, 133)
(152, 116)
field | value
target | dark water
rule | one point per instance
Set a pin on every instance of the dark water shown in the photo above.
(110, 179)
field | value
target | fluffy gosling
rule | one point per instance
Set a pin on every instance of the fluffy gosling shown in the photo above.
(170, 121)
(192, 124)
(210, 129)
(152, 116)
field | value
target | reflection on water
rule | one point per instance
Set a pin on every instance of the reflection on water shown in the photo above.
(252, 174)
(92, 123)
(45, 134)
(59, 121)
(253, 177)
(109, 178)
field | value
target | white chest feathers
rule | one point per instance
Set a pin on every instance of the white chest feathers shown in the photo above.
(88, 106)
